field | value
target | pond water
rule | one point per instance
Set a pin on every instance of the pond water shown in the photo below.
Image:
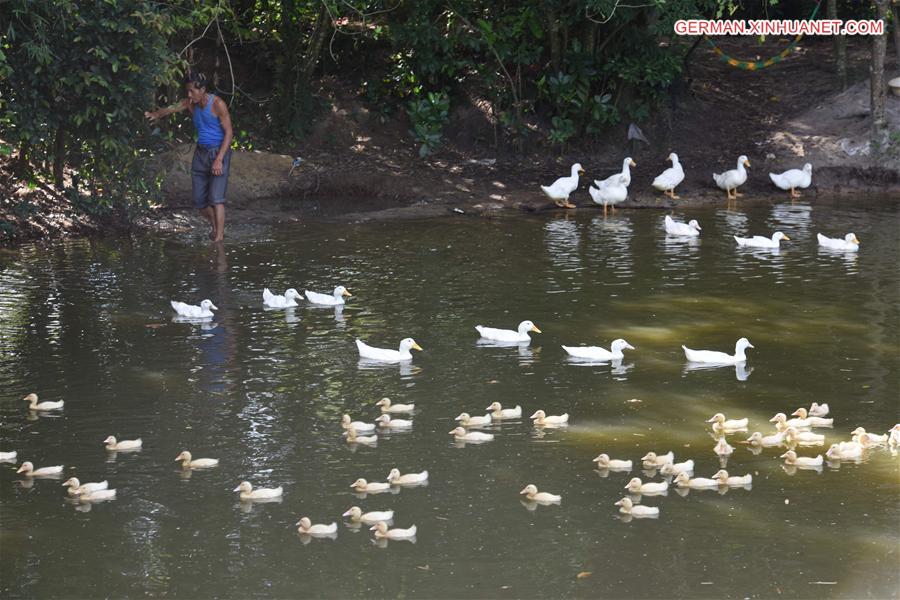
(263, 391)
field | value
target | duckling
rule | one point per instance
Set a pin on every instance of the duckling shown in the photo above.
(792, 436)
(676, 468)
(836, 452)
(116, 446)
(894, 433)
(872, 437)
(767, 441)
(720, 424)
(790, 458)
(305, 527)
(541, 418)
(498, 412)
(732, 481)
(818, 410)
(636, 486)
(359, 426)
(356, 514)
(353, 438)
(76, 487)
(381, 531)
(387, 407)
(33, 404)
(8, 456)
(531, 492)
(605, 462)
(723, 448)
(363, 486)
(627, 507)
(652, 459)
(802, 414)
(468, 421)
(781, 421)
(867, 440)
(27, 469)
(387, 422)
(248, 493)
(683, 480)
(460, 434)
(96, 496)
(395, 478)
(189, 462)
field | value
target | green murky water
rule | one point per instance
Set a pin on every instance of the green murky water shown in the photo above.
(89, 322)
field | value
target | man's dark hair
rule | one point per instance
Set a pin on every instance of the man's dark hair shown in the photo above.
(197, 79)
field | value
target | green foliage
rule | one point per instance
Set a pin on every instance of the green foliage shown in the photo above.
(428, 116)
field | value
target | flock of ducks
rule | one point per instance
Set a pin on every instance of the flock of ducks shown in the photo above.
(614, 189)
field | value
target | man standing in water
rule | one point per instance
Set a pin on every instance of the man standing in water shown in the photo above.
(212, 156)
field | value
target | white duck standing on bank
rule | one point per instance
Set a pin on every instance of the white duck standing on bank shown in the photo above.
(27, 469)
(306, 527)
(467, 420)
(76, 487)
(689, 229)
(388, 407)
(628, 507)
(369, 487)
(560, 189)
(720, 423)
(625, 173)
(724, 478)
(541, 418)
(336, 298)
(360, 427)
(289, 300)
(498, 412)
(386, 355)
(461, 435)
(636, 486)
(790, 458)
(733, 178)
(758, 241)
(395, 478)
(652, 459)
(850, 243)
(531, 492)
(719, 358)
(669, 179)
(792, 179)
(189, 462)
(818, 410)
(387, 422)
(381, 531)
(605, 462)
(613, 191)
(248, 493)
(33, 404)
(189, 311)
(803, 415)
(114, 445)
(508, 335)
(598, 353)
(370, 518)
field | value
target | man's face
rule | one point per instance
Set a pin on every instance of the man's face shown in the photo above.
(195, 94)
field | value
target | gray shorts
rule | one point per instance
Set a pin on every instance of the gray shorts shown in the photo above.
(206, 188)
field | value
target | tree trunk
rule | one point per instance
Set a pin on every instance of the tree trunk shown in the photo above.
(840, 48)
(316, 40)
(555, 50)
(21, 164)
(895, 9)
(59, 157)
(879, 50)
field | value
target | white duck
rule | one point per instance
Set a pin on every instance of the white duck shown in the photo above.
(189, 462)
(560, 189)
(625, 173)
(893, 433)
(733, 178)
(676, 468)
(354, 438)
(541, 418)
(531, 492)
(498, 412)
(381, 531)
(683, 480)
(719, 358)
(766, 441)
(818, 410)
(306, 527)
(652, 459)
(33, 403)
(356, 514)
(758, 241)
(395, 478)
(847, 452)
(386, 355)
(248, 493)
(460, 434)
(790, 458)
(466, 420)
(636, 486)
(724, 478)
(872, 437)
(689, 229)
(363, 486)
(508, 335)
(723, 448)
(204, 311)
(598, 353)
(612, 192)
(28, 470)
(335, 299)
(793, 179)
(387, 422)
(669, 179)
(869, 440)
(96, 496)
(803, 415)
(627, 507)
(721, 424)
(782, 422)
(388, 407)
(359, 426)
(8, 455)
(76, 487)
(850, 243)
(113, 445)
(605, 462)
(289, 300)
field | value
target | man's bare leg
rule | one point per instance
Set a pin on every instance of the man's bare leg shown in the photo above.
(207, 211)
(219, 226)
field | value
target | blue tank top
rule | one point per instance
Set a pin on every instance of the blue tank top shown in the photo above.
(209, 128)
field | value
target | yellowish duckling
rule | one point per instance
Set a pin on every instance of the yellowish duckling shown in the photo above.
(818, 410)
(387, 422)
(461, 435)
(8, 456)
(767, 441)
(248, 493)
(76, 487)
(115, 446)
(541, 418)
(359, 426)
(605, 462)
(873, 438)
(636, 486)
(627, 507)
(676, 468)
(724, 478)
(395, 478)
(531, 492)
(498, 412)
(683, 480)
(33, 403)
(652, 459)
(721, 424)
(782, 422)
(27, 469)
(802, 414)
(363, 486)
(370, 518)
(188, 462)
(305, 527)
(790, 458)
(467, 420)
(388, 407)
(381, 531)
(792, 437)
(354, 438)
(849, 452)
